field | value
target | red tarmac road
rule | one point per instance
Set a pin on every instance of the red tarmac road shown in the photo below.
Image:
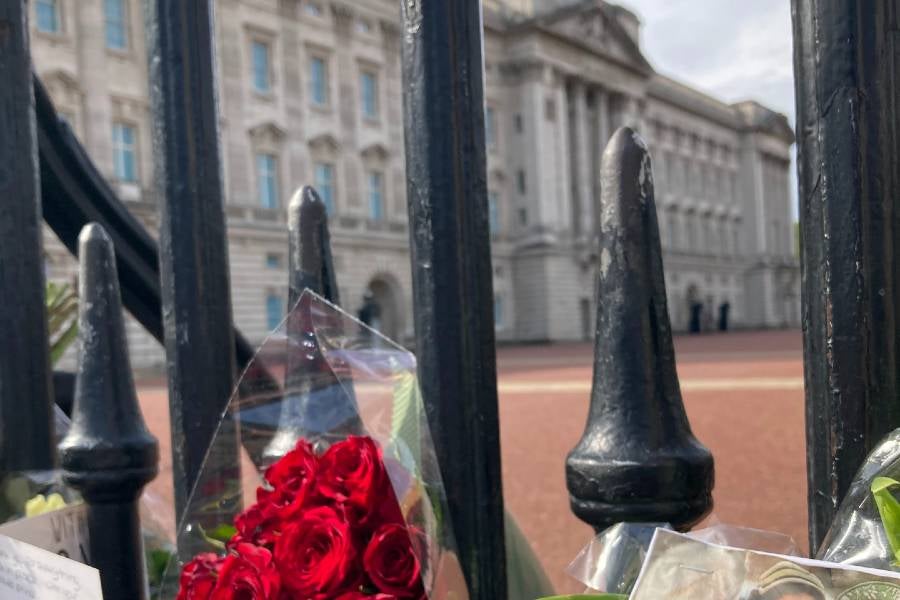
(744, 396)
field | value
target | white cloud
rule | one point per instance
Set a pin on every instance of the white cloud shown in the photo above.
(732, 49)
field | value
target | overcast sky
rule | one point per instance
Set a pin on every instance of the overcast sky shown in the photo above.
(732, 49)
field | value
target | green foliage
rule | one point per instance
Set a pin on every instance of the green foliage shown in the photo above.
(62, 318)
(157, 560)
(407, 419)
(524, 574)
(889, 509)
(219, 536)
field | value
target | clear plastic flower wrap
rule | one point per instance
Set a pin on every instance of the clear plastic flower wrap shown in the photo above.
(337, 492)
(612, 560)
(859, 535)
(25, 493)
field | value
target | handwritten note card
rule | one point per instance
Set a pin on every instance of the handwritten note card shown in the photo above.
(29, 573)
(62, 532)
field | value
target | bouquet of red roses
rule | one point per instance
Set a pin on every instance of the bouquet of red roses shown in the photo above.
(323, 527)
(337, 494)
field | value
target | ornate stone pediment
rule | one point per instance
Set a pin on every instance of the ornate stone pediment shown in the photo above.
(594, 26)
(325, 143)
(375, 152)
(62, 87)
(267, 134)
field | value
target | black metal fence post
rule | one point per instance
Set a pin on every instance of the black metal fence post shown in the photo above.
(108, 454)
(637, 459)
(311, 391)
(846, 65)
(443, 74)
(26, 425)
(196, 296)
(309, 248)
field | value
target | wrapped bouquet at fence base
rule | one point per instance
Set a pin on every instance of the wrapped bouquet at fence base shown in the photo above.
(613, 559)
(866, 529)
(338, 494)
(681, 567)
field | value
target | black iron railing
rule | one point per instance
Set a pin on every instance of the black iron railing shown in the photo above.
(847, 128)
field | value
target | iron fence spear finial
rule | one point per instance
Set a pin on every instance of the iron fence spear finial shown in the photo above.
(108, 454)
(638, 459)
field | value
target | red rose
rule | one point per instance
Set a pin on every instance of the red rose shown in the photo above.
(352, 472)
(298, 463)
(249, 574)
(260, 523)
(315, 554)
(391, 563)
(198, 577)
(361, 596)
(292, 479)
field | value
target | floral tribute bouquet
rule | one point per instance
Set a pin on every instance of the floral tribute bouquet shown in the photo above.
(338, 494)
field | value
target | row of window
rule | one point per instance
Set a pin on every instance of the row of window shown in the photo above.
(696, 233)
(124, 146)
(262, 80)
(49, 19)
(681, 174)
(275, 311)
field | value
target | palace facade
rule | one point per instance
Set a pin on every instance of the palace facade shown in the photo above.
(311, 93)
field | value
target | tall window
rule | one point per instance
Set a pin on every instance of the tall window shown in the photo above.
(274, 311)
(261, 72)
(318, 81)
(267, 180)
(116, 24)
(368, 89)
(498, 312)
(490, 128)
(494, 212)
(376, 196)
(325, 185)
(124, 144)
(48, 15)
(672, 226)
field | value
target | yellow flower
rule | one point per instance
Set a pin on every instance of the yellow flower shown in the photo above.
(41, 504)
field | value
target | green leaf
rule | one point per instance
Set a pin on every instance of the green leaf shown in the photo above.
(889, 509)
(218, 536)
(223, 533)
(407, 417)
(62, 318)
(59, 346)
(157, 560)
(525, 575)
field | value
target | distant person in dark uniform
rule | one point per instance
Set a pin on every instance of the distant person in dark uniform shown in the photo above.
(723, 316)
(696, 316)
(370, 312)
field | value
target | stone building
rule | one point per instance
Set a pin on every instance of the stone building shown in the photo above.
(311, 92)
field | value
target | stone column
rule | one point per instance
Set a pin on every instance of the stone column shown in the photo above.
(392, 112)
(295, 153)
(601, 133)
(89, 26)
(349, 170)
(581, 160)
(602, 100)
(240, 177)
(631, 114)
(563, 152)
